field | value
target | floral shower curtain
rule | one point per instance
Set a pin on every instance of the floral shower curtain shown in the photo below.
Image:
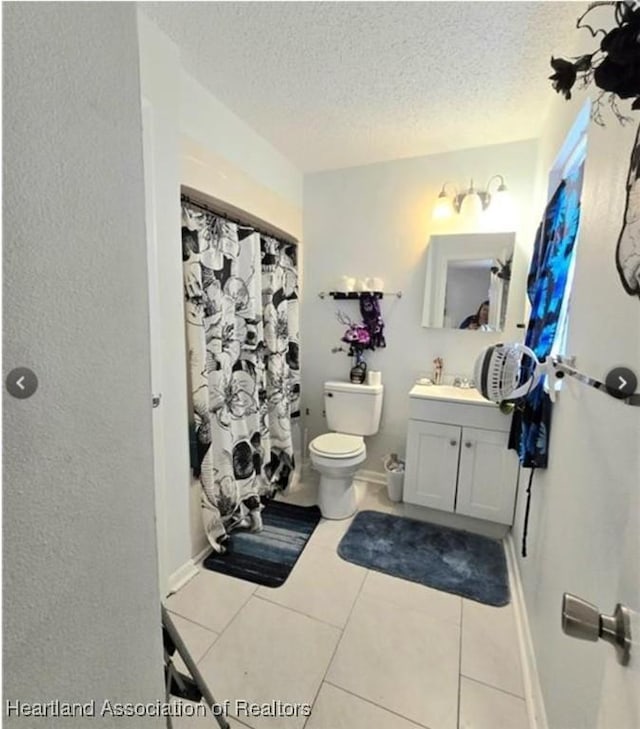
(241, 301)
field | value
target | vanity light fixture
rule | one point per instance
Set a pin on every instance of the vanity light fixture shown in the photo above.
(445, 205)
(471, 202)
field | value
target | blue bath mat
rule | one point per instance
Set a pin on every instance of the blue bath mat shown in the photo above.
(446, 559)
(267, 557)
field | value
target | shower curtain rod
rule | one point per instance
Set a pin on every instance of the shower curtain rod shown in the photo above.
(238, 221)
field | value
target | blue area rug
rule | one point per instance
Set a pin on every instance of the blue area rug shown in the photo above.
(267, 557)
(446, 559)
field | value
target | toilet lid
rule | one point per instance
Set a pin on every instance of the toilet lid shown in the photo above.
(337, 444)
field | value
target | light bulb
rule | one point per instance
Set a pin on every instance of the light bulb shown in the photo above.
(501, 203)
(443, 207)
(471, 204)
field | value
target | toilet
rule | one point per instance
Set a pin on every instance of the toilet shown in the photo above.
(352, 411)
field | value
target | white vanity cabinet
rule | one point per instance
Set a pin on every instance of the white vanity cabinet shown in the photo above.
(457, 456)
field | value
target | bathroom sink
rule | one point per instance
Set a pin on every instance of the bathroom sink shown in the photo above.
(469, 396)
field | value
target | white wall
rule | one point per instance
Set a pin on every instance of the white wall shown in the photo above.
(586, 500)
(376, 221)
(80, 600)
(202, 145)
(209, 123)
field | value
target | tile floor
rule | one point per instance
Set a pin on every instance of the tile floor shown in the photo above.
(366, 650)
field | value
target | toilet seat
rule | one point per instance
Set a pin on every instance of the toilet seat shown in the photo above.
(337, 445)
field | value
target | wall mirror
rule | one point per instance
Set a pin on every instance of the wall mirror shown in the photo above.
(468, 281)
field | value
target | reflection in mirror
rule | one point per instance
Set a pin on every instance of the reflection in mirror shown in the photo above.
(468, 281)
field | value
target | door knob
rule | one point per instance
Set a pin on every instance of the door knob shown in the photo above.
(453, 442)
(581, 619)
(468, 444)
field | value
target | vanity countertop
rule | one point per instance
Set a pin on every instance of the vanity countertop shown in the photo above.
(467, 396)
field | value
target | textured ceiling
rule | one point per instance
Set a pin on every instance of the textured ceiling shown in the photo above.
(338, 84)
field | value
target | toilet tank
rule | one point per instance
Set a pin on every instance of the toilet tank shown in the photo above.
(353, 409)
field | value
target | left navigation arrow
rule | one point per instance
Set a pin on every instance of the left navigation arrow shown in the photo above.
(21, 382)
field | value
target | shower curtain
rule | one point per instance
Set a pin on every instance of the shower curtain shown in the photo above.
(241, 303)
(553, 253)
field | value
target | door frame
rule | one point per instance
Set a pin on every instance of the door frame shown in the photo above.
(159, 477)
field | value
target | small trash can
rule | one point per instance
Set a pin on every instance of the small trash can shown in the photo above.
(394, 470)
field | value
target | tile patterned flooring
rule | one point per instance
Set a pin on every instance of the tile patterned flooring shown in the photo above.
(366, 650)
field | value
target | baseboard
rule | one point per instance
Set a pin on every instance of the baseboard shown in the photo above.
(485, 528)
(361, 475)
(204, 552)
(181, 576)
(532, 688)
(371, 476)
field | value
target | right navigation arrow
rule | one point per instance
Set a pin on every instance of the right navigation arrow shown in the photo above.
(621, 382)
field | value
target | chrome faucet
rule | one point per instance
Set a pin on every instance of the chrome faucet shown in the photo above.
(464, 383)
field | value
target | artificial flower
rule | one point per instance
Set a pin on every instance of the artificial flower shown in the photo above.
(614, 67)
(564, 77)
